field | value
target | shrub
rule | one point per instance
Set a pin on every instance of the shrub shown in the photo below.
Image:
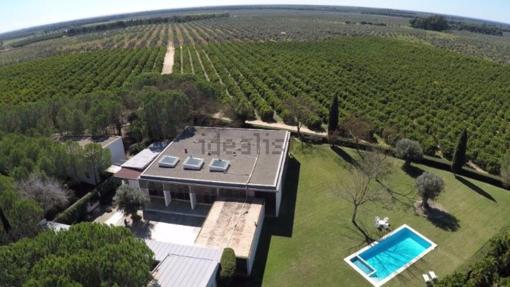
(228, 266)
(408, 150)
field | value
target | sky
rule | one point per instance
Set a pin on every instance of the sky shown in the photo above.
(17, 14)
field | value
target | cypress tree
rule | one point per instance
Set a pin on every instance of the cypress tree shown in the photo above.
(459, 157)
(333, 116)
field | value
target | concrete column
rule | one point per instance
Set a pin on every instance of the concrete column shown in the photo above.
(145, 191)
(192, 198)
(217, 193)
(278, 202)
(168, 197)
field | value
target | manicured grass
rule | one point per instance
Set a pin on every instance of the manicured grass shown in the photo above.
(310, 251)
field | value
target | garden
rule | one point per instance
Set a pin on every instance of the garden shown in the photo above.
(310, 240)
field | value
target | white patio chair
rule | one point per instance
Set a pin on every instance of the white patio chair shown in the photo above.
(433, 276)
(427, 279)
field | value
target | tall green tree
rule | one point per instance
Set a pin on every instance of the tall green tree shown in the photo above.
(333, 116)
(165, 113)
(459, 157)
(20, 217)
(97, 160)
(88, 254)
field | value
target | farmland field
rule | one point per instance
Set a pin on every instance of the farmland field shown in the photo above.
(420, 84)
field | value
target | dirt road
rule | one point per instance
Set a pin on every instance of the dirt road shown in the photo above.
(168, 64)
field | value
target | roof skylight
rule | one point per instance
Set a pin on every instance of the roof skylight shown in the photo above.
(219, 165)
(168, 161)
(193, 163)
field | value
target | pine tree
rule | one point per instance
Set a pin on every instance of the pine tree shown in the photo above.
(459, 157)
(333, 116)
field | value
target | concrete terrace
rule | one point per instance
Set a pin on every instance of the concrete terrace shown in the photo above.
(231, 224)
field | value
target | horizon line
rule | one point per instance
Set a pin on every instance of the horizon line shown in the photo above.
(244, 6)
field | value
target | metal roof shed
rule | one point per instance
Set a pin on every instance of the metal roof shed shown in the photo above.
(184, 265)
(176, 271)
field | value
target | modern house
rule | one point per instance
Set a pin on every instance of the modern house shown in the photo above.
(205, 164)
(230, 178)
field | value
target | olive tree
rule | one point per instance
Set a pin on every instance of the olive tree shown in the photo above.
(429, 186)
(130, 200)
(409, 151)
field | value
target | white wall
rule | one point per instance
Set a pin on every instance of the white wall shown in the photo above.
(118, 154)
(255, 243)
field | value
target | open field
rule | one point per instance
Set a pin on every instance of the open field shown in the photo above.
(306, 246)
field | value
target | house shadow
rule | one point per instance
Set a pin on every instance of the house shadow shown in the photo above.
(280, 226)
(412, 171)
(345, 156)
(442, 219)
(475, 188)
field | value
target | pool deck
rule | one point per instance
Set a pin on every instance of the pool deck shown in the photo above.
(396, 272)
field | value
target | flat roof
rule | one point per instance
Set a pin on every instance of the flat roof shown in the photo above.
(231, 224)
(256, 157)
(141, 160)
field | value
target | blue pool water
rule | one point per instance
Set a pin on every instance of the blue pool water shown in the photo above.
(391, 253)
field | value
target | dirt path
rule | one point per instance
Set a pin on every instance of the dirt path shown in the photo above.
(476, 167)
(168, 64)
(282, 126)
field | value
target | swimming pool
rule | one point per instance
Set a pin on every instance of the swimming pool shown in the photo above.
(384, 259)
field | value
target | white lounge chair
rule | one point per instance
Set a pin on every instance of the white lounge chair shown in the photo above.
(427, 279)
(376, 221)
(433, 276)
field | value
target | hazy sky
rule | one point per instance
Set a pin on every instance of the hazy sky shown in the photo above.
(16, 14)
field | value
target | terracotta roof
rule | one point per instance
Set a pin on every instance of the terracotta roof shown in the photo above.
(128, 173)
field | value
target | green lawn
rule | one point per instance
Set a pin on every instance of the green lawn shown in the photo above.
(307, 244)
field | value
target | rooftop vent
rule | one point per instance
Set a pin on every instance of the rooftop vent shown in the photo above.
(219, 165)
(168, 161)
(193, 163)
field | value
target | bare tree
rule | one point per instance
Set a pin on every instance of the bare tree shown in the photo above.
(48, 192)
(363, 186)
(359, 129)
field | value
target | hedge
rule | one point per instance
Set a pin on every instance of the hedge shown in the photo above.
(228, 266)
(427, 160)
(78, 210)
